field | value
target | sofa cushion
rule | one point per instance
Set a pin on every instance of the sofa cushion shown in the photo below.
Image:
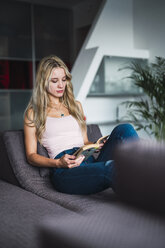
(140, 173)
(30, 177)
(6, 171)
(113, 225)
(20, 213)
(44, 172)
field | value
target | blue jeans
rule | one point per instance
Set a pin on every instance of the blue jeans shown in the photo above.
(93, 175)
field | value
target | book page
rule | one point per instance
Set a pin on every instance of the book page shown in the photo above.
(102, 139)
(86, 150)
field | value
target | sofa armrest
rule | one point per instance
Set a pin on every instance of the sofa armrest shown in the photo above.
(140, 173)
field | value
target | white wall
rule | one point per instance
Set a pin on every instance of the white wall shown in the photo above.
(149, 26)
(111, 34)
(106, 111)
(121, 28)
(114, 27)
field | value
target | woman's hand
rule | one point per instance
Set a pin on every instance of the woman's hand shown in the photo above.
(69, 161)
(101, 145)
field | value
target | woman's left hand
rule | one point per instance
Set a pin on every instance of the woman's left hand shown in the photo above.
(101, 145)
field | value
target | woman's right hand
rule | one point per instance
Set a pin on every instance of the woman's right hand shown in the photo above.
(69, 161)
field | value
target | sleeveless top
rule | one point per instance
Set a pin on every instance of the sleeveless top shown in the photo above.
(61, 134)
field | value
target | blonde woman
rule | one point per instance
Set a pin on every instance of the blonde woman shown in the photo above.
(55, 119)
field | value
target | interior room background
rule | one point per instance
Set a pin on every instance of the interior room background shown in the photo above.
(74, 30)
(28, 32)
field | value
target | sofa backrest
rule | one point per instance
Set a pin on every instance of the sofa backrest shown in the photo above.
(6, 171)
(16, 143)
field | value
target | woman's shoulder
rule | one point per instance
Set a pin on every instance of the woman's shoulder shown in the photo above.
(81, 109)
(29, 113)
(29, 116)
(79, 104)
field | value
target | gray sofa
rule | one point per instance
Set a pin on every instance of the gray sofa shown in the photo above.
(33, 214)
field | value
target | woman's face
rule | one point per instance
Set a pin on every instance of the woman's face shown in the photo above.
(57, 82)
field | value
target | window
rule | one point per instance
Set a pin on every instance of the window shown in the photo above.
(110, 80)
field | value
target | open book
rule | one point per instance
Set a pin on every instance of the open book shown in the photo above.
(88, 150)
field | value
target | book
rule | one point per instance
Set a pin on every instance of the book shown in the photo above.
(88, 150)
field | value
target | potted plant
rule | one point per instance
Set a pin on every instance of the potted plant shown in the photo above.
(148, 111)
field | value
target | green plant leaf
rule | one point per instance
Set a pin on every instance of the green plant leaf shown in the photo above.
(151, 111)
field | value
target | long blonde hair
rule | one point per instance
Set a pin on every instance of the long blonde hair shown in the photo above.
(39, 101)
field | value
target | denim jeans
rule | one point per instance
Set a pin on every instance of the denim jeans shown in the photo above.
(93, 175)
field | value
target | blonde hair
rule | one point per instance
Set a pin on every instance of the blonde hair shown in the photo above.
(36, 111)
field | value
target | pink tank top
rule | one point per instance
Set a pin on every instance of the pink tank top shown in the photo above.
(61, 134)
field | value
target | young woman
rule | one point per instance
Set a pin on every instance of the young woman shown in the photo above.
(55, 119)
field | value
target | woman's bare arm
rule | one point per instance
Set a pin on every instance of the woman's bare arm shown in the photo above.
(67, 161)
(31, 148)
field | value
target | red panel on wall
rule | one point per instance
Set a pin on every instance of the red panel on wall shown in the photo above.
(15, 74)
